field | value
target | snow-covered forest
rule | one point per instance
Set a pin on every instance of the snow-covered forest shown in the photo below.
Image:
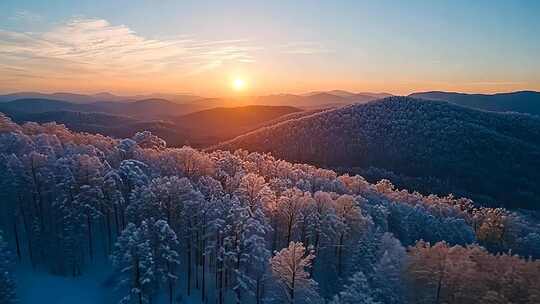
(177, 225)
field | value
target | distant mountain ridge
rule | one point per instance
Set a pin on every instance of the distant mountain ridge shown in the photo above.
(161, 117)
(521, 101)
(142, 109)
(430, 146)
(98, 97)
(347, 94)
(313, 100)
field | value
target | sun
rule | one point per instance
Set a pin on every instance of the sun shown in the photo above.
(239, 84)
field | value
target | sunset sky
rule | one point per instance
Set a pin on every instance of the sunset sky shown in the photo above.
(201, 47)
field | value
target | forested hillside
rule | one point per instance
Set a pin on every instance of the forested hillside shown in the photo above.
(430, 146)
(219, 123)
(176, 225)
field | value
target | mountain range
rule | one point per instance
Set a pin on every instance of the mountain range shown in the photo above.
(309, 100)
(162, 118)
(434, 142)
(98, 97)
(522, 101)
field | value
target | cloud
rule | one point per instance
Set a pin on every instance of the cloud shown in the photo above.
(25, 16)
(495, 83)
(304, 48)
(83, 48)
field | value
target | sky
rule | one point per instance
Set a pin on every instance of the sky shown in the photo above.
(202, 47)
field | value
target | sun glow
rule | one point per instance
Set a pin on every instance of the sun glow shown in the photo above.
(239, 84)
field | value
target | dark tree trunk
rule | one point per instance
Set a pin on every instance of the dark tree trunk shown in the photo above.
(188, 255)
(90, 245)
(274, 235)
(220, 276)
(28, 232)
(439, 287)
(137, 281)
(197, 255)
(258, 291)
(289, 231)
(340, 254)
(170, 292)
(203, 283)
(17, 243)
(109, 233)
(116, 221)
(316, 248)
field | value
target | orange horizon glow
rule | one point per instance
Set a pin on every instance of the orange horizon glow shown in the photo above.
(91, 55)
(230, 90)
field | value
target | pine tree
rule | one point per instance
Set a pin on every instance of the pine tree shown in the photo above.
(165, 246)
(134, 260)
(357, 292)
(386, 279)
(257, 255)
(87, 203)
(113, 203)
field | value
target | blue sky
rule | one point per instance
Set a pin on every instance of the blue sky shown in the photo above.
(277, 46)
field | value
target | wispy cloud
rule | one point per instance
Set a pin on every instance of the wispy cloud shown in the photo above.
(495, 83)
(90, 47)
(25, 16)
(304, 48)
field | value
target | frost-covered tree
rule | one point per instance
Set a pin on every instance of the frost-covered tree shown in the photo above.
(254, 191)
(386, 280)
(321, 223)
(87, 202)
(290, 268)
(165, 246)
(257, 255)
(290, 207)
(142, 205)
(357, 292)
(134, 260)
(147, 140)
(349, 220)
(113, 206)
(132, 174)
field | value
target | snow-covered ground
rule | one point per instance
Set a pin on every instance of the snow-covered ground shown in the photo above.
(94, 287)
(40, 287)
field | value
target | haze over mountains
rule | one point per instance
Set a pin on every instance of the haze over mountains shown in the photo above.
(521, 101)
(221, 119)
(98, 97)
(198, 129)
(312, 99)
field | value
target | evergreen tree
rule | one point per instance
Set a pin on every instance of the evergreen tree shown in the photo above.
(357, 292)
(134, 260)
(165, 246)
